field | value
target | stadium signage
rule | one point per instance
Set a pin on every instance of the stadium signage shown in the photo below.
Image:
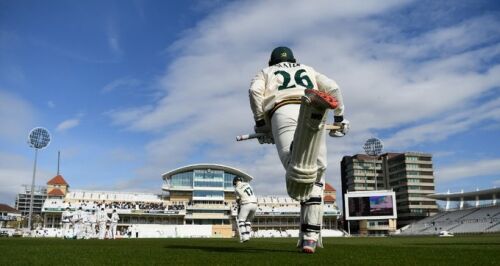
(370, 205)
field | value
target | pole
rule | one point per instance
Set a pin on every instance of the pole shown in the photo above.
(30, 218)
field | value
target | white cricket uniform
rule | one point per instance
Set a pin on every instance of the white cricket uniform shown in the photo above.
(93, 223)
(282, 85)
(275, 94)
(114, 223)
(247, 207)
(83, 225)
(88, 225)
(102, 219)
(66, 222)
(76, 220)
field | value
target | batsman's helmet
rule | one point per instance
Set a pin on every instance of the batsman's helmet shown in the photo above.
(236, 180)
(281, 54)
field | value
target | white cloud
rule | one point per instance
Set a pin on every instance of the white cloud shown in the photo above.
(73, 54)
(469, 119)
(120, 83)
(443, 154)
(127, 116)
(68, 124)
(468, 169)
(15, 171)
(17, 117)
(113, 39)
(51, 104)
(113, 43)
(417, 84)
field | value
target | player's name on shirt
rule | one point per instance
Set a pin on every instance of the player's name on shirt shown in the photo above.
(288, 64)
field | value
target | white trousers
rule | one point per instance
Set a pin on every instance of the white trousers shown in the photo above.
(66, 229)
(102, 230)
(78, 230)
(284, 124)
(112, 229)
(88, 230)
(247, 212)
(93, 229)
(245, 217)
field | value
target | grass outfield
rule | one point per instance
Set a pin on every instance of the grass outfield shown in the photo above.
(462, 250)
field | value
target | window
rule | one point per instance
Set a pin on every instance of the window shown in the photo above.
(208, 174)
(397, 167)
(208, 194)
(412, 166)
(182, 179)
(208, 184)
(228, 180)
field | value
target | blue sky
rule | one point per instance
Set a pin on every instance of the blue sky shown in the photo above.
(132, 89)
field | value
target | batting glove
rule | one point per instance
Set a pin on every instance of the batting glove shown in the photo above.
(262, 127)
(343, 124)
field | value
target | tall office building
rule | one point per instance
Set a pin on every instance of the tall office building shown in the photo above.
(409, 174)
(23, 199)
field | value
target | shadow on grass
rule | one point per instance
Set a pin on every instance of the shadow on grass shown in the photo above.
(241, 249)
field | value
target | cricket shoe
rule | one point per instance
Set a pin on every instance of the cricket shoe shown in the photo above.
(309, 246)
(320, 99)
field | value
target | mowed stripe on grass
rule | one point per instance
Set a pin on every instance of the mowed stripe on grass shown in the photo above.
(461, 250)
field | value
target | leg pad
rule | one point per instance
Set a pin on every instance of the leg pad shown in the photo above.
(302, 168)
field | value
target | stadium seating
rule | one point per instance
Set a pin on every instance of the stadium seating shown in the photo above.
(473, 220)
(112, 196)
(120, 206)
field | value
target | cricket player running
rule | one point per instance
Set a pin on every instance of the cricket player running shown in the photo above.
(247, 205)
(290, 102)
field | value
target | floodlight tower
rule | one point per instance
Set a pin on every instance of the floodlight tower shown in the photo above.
(38, 139)
(373, 147)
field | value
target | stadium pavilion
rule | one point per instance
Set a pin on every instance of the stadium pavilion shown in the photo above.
(195, 195)
(478, 197)
(476, 212)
